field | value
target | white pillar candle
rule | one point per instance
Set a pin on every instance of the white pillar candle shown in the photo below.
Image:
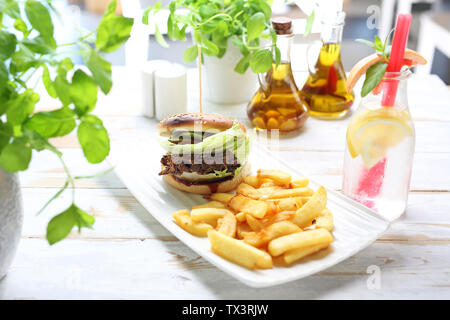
(170, 91)
(148, 84)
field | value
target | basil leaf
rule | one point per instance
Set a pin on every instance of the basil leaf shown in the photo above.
(100, 69)
(190, 54)
(238, 43)
(206, 11)
(277, 56)
(366, 42)
(243, 64)
(160, 38)
(378, 44)
(23, 59)
(48, 84)
(255, 25)
(112, 32)
(61, 225)
(3, 75)
(94, 139)
(55, 123)
(83, 92)
(15, 156)
(21, 26)
(39, 18)
(261, 61)
(373, 77)
(8, 42)
(211, 49)
(40, 44)
(21, 107)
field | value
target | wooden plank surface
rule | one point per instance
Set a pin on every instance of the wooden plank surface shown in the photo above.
(130, 255)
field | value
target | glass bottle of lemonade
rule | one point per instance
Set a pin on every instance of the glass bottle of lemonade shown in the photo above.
(278, 103)
(324, 89)
(379, 150)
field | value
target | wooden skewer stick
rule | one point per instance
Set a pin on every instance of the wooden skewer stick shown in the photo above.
(200, 76)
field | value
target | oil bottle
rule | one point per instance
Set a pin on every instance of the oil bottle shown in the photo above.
(324, 89)
(278, 104)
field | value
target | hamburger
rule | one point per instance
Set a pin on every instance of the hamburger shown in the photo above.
(206, 153)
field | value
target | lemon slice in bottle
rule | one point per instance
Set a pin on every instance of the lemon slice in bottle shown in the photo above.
(374, 131)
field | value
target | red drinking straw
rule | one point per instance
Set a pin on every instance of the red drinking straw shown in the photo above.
(396, 59)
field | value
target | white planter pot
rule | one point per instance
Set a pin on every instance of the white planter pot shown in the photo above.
(222, 85)
(11, 218)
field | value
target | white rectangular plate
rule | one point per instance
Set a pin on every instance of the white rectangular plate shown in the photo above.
(138, 163)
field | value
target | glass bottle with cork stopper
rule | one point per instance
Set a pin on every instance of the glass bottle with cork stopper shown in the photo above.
(324, 89)
(278, 104)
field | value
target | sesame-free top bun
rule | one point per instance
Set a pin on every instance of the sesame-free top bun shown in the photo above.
(208, 122)
(206, 188)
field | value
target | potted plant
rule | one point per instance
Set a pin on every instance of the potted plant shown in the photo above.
(233, 37)
(27, 47)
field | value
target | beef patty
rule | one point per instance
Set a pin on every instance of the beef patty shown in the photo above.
(199, 163)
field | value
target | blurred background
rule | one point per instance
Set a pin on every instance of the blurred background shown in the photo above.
(430, 29)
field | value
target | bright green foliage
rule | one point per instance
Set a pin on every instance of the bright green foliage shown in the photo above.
(27, 47)
(244, 22)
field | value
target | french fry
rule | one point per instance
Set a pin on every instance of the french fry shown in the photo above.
(247, 190)
(242, 229)
(239, 252)
(183, 219)
(255, 239)
(288, 193)
(265, 183)
(227, 225)
(271, 232)
(256, 208)
(254, 181)
(222, 197)
(254, 223)
(301, 201)
(208, 214)
(311, 209)
(299, 183)
(240, 216)
(210, 204)
(278, 176)
(294, 255)
(304, 239)
(287, 204)
(280, 216)
(325, 220)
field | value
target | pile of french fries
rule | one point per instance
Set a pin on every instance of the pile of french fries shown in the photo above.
(271, 217)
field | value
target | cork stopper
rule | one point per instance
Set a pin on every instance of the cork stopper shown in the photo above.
(282, 25)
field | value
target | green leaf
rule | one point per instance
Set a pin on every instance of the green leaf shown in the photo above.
(210, 48)
(378, 44)
(39, 18)
(61, 225)
(40, 44)
(23, 60)
(243, 64)
(48, 83)
(10, 7)
(4, 76)
(37, 142)
(373, 77)
(8, 44)
(100, 69)
(206, 11)
(277, 56)
(83, 92)
(15, 156)
(190, 54)
(366, 42)
(309, 23)
(61, 85)
(21, 26)
(261, 61)
(265, 8)
(50, 124)
(21, 107)
(94, 139)
(112, 32)
(160, 38)
(255, 25)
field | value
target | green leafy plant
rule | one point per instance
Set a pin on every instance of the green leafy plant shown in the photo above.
(28, 46)
(213, 23)
(375, 73)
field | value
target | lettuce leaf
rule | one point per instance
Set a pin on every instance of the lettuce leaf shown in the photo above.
(233, 139)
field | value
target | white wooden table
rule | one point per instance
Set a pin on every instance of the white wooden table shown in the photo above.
(129, 255)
